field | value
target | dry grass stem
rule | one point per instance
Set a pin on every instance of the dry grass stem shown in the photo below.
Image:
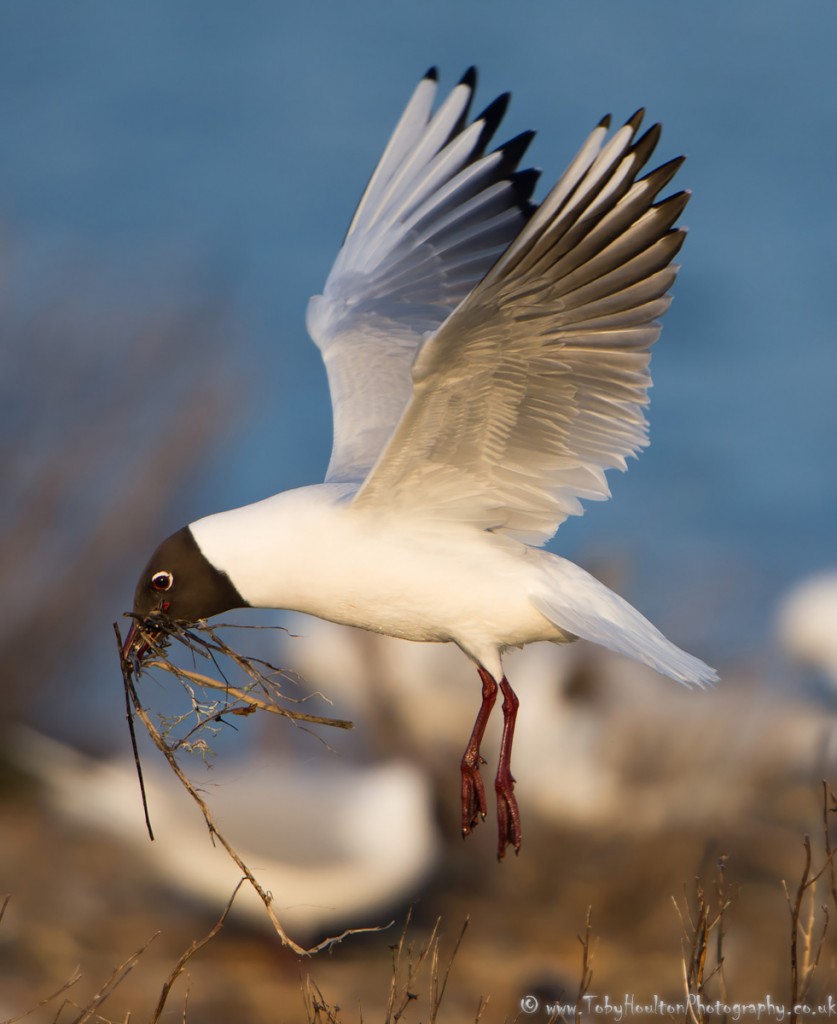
(723, 901)
(401, 993)
(169, 751)
(806, 939)
(72, 980)
(93, 1007)
(407, 968)
(699, 927)
(116, 978)
(203, 640)
(249, 703)
(188, 954)
(586, 968)
(829, 806)
(317, 1010)
(437, 991)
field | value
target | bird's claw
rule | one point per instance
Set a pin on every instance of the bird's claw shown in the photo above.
(508, 817)
(474, 804)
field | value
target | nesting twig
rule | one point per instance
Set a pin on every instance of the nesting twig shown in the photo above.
(249, 703)
(155, 636)
(170, 748)
(204, 641)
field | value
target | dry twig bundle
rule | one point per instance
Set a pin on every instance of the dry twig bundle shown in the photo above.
(185, 733)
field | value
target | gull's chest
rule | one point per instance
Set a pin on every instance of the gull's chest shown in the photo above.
(407, 584)
(418, 581)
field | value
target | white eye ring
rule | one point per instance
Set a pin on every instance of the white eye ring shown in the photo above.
(162, 580)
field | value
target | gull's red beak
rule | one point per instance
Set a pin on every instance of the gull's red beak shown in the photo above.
(136, 644)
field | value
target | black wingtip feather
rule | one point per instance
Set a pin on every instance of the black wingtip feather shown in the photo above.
(635, 120)
(678, 237)
(645, 145)
(431, 75)
(524, 183)
(515, 148)
(670, 208)
(469, 78)
(605, 121)
(492, 116)
(662, 175)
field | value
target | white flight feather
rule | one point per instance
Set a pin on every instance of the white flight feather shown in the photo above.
(435, 216)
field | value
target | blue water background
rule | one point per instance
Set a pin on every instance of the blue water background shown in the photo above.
(228, 143)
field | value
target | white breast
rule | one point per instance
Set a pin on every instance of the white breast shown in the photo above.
(310, 551)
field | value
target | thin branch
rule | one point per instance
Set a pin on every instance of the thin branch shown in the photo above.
(696, 943)
(247, 699)
(805, 951)
(158, 633)
(829, 851)
(586, 969)
(190, 952)
(720, 933)
(402, 993)
(130, 717)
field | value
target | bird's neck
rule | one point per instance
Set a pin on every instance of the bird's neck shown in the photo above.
(265, 548)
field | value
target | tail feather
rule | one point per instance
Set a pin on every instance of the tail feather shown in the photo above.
(577, 602)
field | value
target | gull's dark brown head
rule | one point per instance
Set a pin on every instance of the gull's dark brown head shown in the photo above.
(179, 583)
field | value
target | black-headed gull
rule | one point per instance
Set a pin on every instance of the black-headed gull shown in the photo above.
(487, 361)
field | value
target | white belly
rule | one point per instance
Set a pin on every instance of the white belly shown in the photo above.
(415, 580)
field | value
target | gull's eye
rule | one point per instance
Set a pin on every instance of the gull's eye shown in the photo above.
(162, 580)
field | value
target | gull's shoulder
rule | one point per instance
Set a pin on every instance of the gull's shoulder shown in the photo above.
(300, 504)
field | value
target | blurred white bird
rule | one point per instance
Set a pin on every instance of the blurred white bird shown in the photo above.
(488, 361)
(807, 623)
(346, 841)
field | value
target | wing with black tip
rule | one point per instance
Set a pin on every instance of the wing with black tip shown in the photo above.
(438, 212)
(536, 384)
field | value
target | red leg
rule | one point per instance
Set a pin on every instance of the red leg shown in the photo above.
(473, 791)
(508, 814)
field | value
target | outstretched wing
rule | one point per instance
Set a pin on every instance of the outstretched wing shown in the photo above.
(435, 216)
(535, 385)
